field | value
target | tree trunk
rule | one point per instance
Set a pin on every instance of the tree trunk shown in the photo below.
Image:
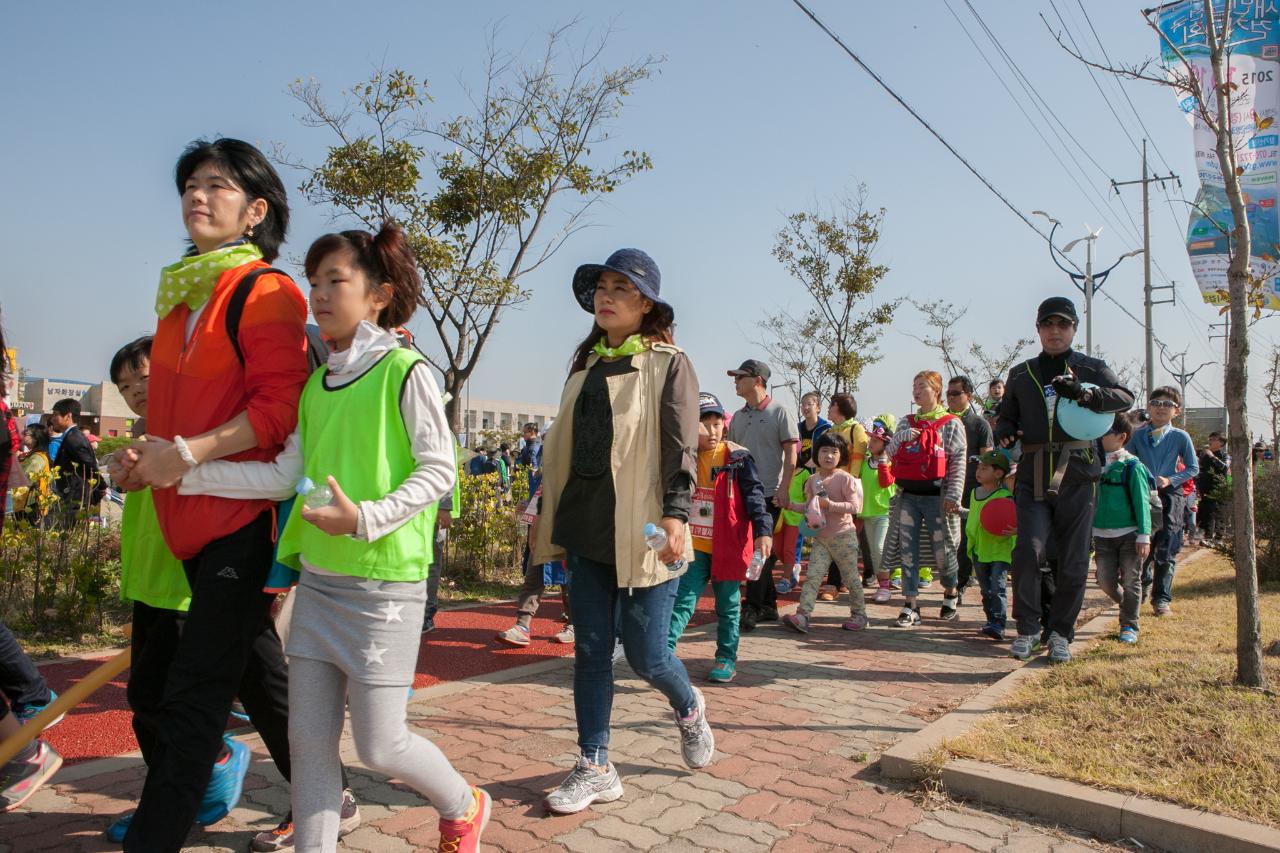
(1249, 669)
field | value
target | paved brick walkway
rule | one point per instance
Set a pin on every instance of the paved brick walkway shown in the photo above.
(798, 734)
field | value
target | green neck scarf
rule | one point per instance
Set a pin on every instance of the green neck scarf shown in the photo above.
(932, 414)
(632, 345)
(192, 279)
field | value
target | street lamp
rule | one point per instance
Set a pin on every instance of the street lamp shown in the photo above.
(1087, 282)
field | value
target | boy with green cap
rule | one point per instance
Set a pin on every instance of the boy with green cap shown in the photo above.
(990, 551)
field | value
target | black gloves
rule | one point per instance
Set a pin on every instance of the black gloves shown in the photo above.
(1067, 386)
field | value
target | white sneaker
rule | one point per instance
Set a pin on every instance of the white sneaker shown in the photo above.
(1059, 649)
(697, 741)
(584, 786)
(565, 636)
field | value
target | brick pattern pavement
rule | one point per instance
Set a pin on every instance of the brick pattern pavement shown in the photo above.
(798, 734)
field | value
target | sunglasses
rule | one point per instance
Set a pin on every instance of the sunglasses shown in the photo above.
(1056, 323)
(1161, 404)
(955, 393)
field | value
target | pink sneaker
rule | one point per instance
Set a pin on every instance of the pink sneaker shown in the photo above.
(463, 835)
(883, 594)
(855, 623)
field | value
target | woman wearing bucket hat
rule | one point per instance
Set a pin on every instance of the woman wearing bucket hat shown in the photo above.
(622, 453)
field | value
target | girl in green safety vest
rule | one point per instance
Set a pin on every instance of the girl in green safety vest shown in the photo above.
(362, 538)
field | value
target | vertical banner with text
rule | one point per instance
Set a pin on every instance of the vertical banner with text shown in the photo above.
(1254, 71)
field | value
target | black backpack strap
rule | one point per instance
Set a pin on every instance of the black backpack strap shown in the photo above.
(235, 307)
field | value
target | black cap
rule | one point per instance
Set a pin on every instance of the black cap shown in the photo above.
(1057, 306)
(751, 367)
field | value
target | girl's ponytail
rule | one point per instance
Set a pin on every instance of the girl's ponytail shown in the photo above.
(384, 257)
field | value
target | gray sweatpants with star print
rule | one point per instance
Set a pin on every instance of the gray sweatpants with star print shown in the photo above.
(353, 644)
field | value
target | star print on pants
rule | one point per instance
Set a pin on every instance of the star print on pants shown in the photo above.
(370, 585)
(373, 654)
(389, 610)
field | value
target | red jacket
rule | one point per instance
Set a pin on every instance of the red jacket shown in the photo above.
(740, 515)
(198, 385)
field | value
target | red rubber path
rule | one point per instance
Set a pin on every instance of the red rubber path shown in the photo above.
(462, 646)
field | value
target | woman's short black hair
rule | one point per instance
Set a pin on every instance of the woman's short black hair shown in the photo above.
(831, 438)
(39, 435)
(254, 174)
(845, 404)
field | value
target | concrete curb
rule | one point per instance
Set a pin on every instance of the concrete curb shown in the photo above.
(1107, 814)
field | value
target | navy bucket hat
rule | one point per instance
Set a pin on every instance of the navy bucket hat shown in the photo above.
(637, 266)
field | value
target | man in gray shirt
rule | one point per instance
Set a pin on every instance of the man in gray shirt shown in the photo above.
(769, 431)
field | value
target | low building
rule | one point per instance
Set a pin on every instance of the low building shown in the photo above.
(505, 415)
(103, 411)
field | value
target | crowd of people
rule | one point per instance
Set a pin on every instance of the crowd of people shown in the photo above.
(250, 478)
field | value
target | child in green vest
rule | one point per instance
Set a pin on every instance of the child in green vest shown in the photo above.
(877, 495)
(990, 552)
(363, 544)
(1122, 525)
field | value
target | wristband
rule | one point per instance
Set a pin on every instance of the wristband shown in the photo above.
(185, 452)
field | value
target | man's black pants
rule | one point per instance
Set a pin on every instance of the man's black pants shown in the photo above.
(762, 596)
(1067, 520)
(227, 644)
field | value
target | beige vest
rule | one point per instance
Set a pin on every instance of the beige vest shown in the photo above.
(636, 400)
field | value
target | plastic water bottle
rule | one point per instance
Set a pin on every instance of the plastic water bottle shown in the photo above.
(756, 566)
(656, 538)
(313, 496)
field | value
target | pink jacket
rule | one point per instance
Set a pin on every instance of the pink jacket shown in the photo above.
(844, 492)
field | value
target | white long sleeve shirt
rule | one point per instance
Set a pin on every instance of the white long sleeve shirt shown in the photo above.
(424, 419)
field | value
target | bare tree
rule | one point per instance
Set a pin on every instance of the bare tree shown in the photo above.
(1273, 396)
(485, 198)
(1211, 101)
(1131, 372)
(831, 253)
(975, 360)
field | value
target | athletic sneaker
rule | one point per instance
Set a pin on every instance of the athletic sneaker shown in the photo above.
(855, 623)
(20, 779)
(1059, 648)
(516, 635)
(883, 593)
(619, 652)
(767, 614)
(116, 832)
(950, 609)
(1024, 646)
(428, 624)
(926, 577)
(697, 741)
(238, 711)
(27, 713)
(993, 631)
(1162, 608)
(895, 579)
(281, 838)
(783, 586)
(225, 785)
(795, 576)
(565, 636)
(1129, 634)
(796, 622)
(908, 617)
(584, 786)
(463, 835)
(747, 621)
(723, 672)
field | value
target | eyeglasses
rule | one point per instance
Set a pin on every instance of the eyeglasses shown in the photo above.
(1161, 404)
(1056, 323)
(951, 393)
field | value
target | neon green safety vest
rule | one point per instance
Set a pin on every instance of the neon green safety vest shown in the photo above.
(357, 435)
(148, 570)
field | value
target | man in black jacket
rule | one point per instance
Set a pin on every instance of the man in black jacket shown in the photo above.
(78, 485)
(1213, 473)
(1057, 474)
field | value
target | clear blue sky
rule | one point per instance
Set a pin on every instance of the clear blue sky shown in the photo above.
(754, 114)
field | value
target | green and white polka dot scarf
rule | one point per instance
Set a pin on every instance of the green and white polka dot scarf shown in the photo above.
(192, 279)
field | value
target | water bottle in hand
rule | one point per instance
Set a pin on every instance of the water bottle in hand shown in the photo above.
(656, 538)
(313, 496)
(756, 566)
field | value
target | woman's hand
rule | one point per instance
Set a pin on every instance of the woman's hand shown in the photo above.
(339, 518)
(674, 552)
(950, 507)
(158, 463)
(764, 546)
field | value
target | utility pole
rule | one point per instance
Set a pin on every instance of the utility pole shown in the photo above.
(1226, 357)
(1147, 289)
(1180, 374)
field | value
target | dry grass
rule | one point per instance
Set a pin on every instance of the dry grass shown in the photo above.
(1162, 718)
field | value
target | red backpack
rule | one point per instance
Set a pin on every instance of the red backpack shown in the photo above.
(925, 458)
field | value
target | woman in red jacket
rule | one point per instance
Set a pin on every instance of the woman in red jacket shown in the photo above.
(220, 388)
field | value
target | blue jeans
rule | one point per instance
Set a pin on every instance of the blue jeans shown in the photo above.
(646, 618)
(1165, 544)
(914, 512)
(992, 581)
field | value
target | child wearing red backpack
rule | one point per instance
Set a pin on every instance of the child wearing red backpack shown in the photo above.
(928, 453)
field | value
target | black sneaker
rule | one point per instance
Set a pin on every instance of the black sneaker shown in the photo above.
(767, 614)
(949, 609)
(748, 620)
(908, 617)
